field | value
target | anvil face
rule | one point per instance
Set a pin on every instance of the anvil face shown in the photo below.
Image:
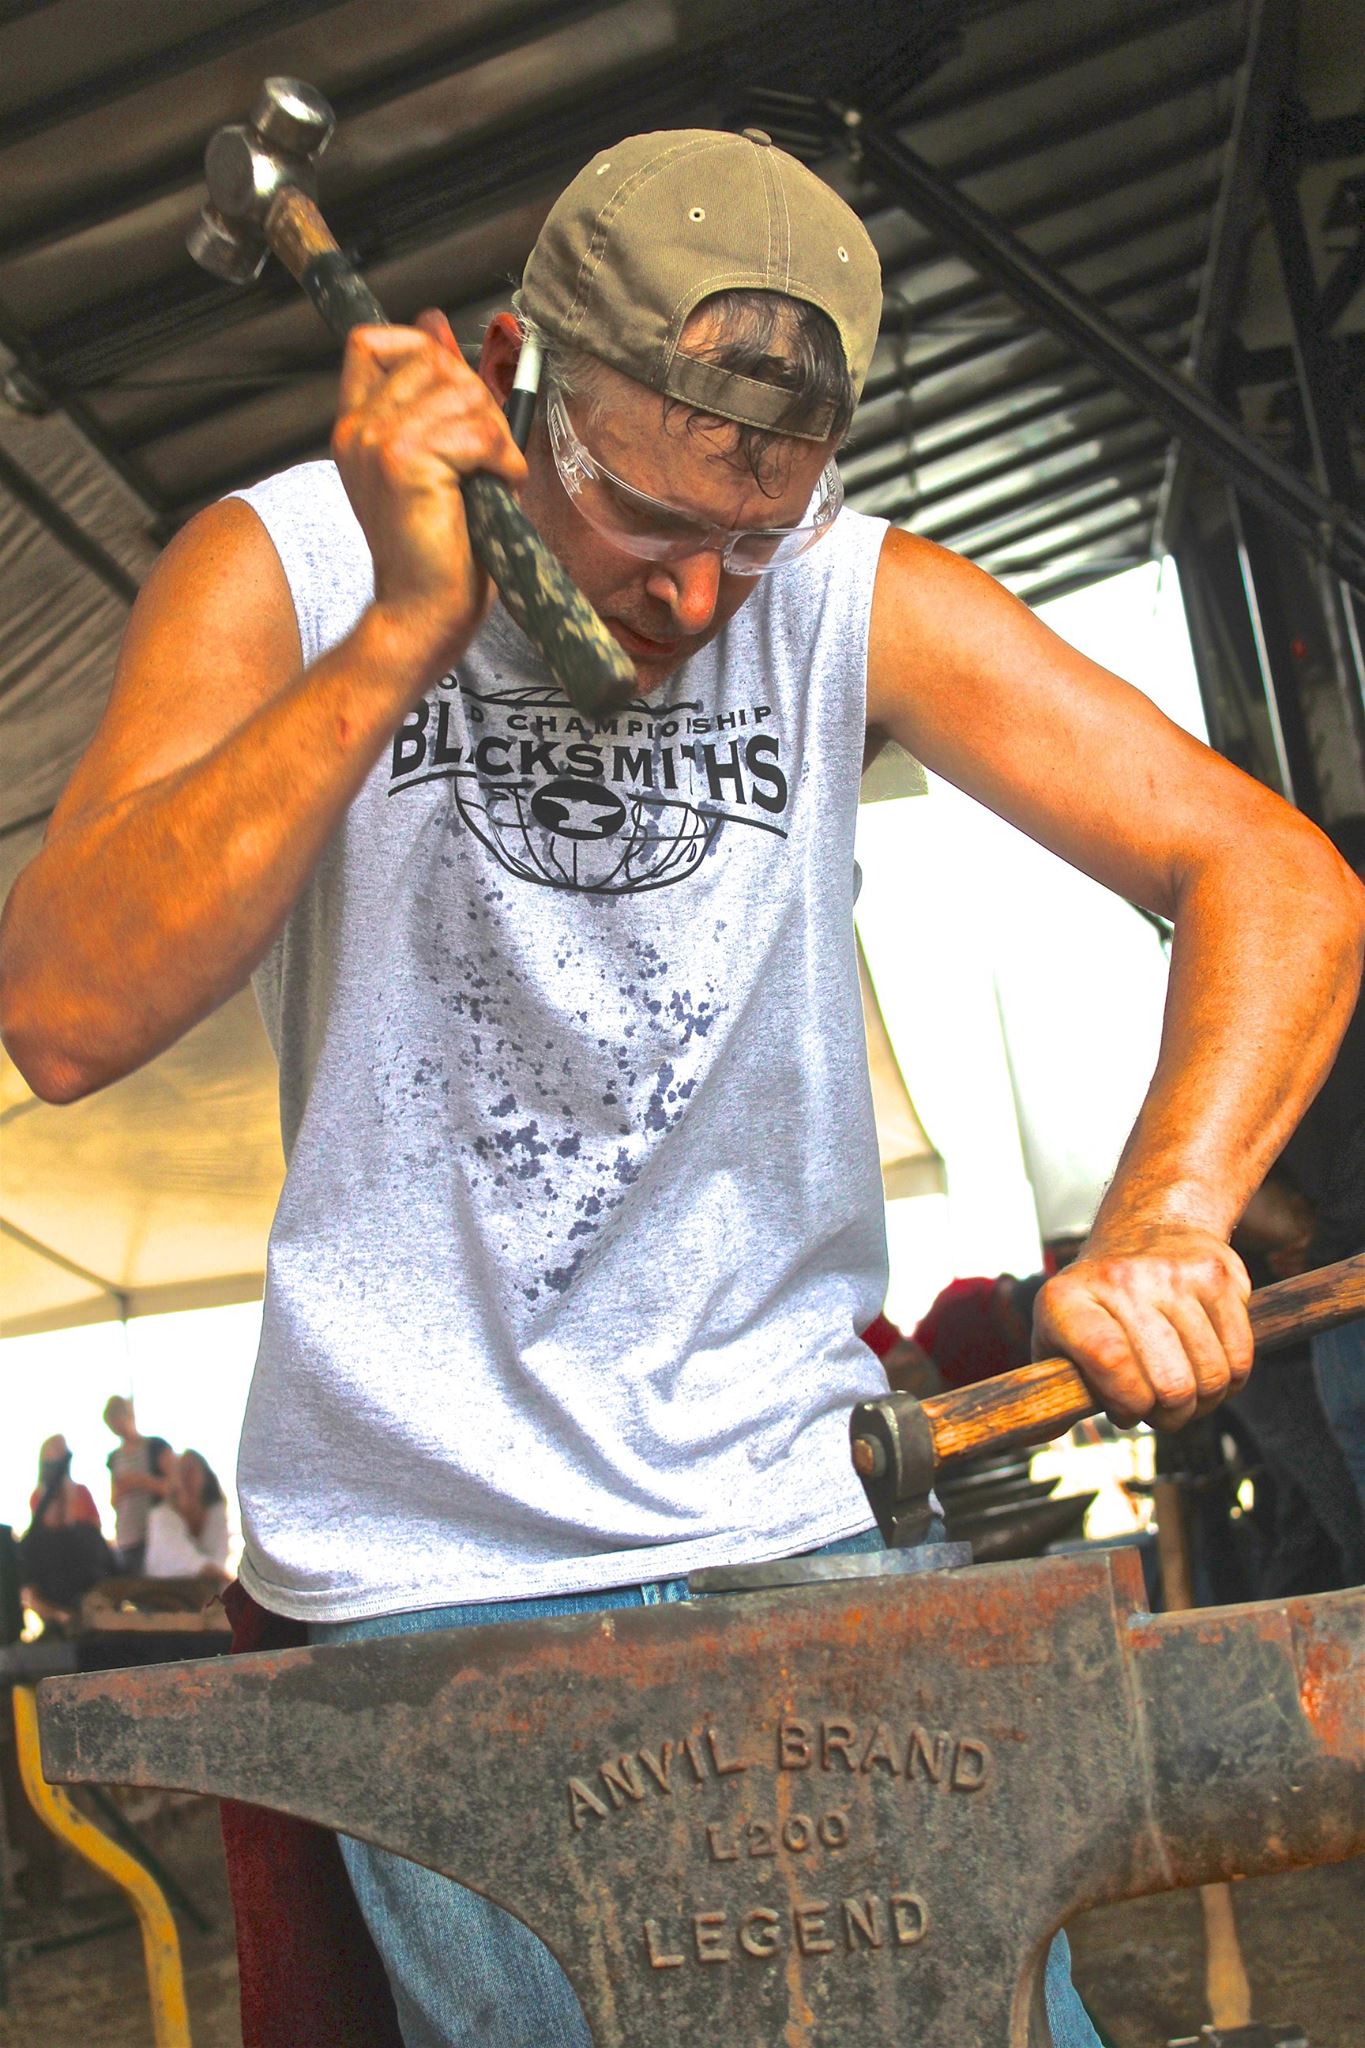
(840, 1813)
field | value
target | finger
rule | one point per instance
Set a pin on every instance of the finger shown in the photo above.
(1203, 1347)
(433, 321)
(1159, 1350)
(464, 437)
(370, 353)
(1075, 1325)
(1227, 1311)
(373, 354)
(425, 371)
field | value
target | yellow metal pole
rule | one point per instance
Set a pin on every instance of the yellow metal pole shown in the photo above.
(160, 1942)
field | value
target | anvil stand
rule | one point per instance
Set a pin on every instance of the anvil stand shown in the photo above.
(852, 1808)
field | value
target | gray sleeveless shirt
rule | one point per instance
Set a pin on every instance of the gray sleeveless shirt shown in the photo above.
(582, 1214)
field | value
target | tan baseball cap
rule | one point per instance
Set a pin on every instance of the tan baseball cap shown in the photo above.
(650, 228)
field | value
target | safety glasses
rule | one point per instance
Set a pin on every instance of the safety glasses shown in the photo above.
(658, 532)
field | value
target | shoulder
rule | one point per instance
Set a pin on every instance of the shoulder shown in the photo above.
(310, 491)
(308, 516)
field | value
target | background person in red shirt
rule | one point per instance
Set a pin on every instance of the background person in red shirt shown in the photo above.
(63, 1552)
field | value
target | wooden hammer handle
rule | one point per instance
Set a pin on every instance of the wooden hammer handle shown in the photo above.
(1041, 1401)
(591, 667)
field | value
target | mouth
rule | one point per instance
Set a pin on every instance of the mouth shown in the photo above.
(641, 646)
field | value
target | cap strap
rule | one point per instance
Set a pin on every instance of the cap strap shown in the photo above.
(731, 396)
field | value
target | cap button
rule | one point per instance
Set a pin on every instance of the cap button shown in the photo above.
(757, 135)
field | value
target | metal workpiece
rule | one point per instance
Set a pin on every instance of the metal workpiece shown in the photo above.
(852, 1811)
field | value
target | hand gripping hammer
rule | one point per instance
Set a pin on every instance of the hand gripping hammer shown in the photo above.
(899, 1443)
(262, 189)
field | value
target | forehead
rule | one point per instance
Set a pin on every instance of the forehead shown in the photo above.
(692, 461)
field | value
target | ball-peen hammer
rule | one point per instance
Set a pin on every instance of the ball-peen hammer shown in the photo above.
(262, 188)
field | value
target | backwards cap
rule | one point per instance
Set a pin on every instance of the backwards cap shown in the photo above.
(652, 227)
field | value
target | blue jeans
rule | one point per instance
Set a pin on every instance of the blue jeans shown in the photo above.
(507, 1990)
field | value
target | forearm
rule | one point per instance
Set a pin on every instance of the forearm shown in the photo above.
(137, 920)
(1263, 981)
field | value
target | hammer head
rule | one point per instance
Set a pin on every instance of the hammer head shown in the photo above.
(247, 164)
(893, 1454)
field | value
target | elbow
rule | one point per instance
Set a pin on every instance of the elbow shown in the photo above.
(1348, 898)
(52, 1077)
(35, 1047)
(44, 1028)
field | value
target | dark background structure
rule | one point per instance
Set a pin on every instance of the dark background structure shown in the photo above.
(1124, 254)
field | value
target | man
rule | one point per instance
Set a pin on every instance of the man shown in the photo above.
(138, 1478)
(582, 1215)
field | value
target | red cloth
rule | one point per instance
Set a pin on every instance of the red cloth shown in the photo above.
(310, 1975)
(962, 1334)
(80, 1504)
(880, 1335)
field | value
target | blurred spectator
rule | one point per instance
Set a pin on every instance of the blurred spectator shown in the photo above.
(58, 1500)
(63, 1552)
(137, 1481)
(187, 1533)
(909, 1369)
(979, 1328)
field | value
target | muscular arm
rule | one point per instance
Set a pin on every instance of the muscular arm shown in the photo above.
(179, 845)
(1269, 926)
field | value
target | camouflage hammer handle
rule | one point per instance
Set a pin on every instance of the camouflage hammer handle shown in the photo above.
(591, 668)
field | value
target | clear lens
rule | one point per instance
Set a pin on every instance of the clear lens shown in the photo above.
(644, 526)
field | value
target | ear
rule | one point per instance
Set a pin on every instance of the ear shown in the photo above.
(500, 354)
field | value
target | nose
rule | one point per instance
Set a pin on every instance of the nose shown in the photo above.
(689, 588)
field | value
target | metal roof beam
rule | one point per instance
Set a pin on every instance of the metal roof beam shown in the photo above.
(402, 209)
(1079, 578)
(1151, 20)
(63, 528)
(1134, 522)
(153, 67)
(180, 172)
(1330, 530)
(978, 346)
(959, 299)
(1091, 117)
(1055, 405)
(1018, 461)
(1276, 365)
(1266, 69)
(1132, 480)
(1031, 498)
(1326, 410)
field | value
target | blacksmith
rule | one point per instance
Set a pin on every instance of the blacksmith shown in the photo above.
(582, 1217)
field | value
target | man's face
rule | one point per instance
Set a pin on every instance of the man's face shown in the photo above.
(662, 612)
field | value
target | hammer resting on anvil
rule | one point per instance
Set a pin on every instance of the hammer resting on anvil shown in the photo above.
(262, 188)
(899, 1443)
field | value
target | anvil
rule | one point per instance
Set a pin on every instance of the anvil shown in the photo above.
(852, 1810)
